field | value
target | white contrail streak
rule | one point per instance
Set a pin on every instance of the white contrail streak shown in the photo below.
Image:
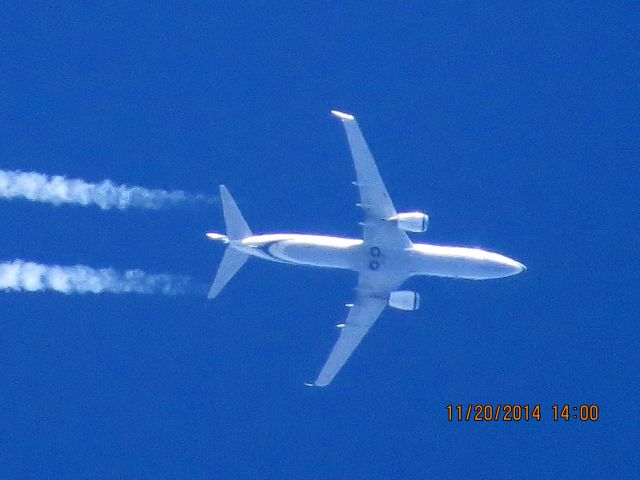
(20, 275)
(57, 190)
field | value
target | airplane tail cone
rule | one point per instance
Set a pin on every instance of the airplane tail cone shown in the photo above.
(237, 230)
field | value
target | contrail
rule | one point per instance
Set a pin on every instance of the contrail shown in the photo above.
(57, 190)
(20, 275)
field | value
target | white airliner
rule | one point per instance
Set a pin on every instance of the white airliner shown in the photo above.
(384, 258)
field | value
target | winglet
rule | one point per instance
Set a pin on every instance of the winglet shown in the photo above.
(342, 116)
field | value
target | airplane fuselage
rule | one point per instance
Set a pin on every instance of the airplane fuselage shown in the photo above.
(352, 254)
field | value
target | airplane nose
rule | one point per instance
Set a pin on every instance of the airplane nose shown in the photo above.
(516, 267)
(499, 266)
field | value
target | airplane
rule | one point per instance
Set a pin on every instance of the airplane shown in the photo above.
(384, 258)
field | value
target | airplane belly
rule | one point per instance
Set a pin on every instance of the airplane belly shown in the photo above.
(460, 262)
(312, 254)
(443, 267)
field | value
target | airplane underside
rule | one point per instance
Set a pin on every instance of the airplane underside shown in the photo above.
(353, 254)
(384, 258)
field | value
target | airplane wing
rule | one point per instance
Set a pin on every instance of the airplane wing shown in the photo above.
(373, 291)
(374, 198)
(380, 235)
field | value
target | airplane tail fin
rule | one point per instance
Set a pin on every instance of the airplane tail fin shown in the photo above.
(237, 230)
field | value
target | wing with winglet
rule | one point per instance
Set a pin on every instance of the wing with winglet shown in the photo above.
(374, 198)
(373, 293)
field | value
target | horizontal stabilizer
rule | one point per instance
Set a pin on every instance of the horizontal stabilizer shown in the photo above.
(237, 227)
(231, 262)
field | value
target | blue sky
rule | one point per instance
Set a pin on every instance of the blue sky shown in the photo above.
(514, 127)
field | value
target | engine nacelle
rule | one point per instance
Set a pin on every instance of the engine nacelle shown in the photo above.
(404, 300)
(411, 222)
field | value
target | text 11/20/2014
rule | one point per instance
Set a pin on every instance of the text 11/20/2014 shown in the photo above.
(521, 412)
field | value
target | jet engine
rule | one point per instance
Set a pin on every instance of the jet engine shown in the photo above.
(411, 221)
(404, 300)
